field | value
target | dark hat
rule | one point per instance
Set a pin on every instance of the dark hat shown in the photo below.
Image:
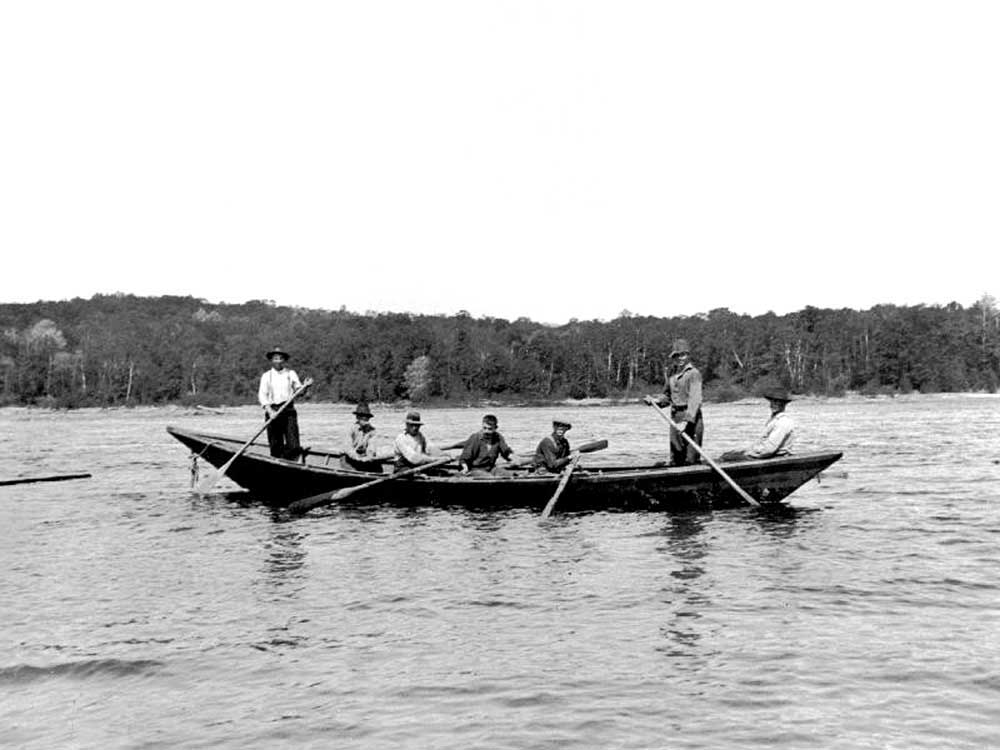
(490, 420)
(413, 417)
(279, 350)
(362, 410)
(776, 393)
(680, 347)
(563, 422)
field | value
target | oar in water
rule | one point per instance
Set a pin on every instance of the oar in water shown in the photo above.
(325, 498)
(53, 478)
(215, 476)
(729, 480)
(562, 485)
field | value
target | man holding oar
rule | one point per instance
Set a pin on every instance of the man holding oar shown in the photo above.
(552, 453)
(277, 386)
(683, 394)
(411, 446)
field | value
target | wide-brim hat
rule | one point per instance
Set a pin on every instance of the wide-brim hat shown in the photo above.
(278, 350)
(680, 347)
(362, 410)
(413, 417)
(777, 393)
(561, 422)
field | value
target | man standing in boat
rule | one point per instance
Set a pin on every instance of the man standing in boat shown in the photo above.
(483, 448)
(277, 386)
(552, 453)
(683, 394)
(779, 432)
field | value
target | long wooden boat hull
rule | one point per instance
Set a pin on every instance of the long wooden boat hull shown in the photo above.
(279, 481)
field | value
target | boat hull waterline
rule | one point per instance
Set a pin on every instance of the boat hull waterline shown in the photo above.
(280, 481)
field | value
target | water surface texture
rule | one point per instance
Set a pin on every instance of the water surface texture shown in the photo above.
(864, 614)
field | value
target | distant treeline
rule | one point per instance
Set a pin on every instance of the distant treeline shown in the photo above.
(124, 350)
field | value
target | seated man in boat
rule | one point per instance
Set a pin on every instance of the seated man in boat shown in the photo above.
(483, 448)
(411, 447)
(277, 386)
(552, 453)
(779, 432)
(361, 452)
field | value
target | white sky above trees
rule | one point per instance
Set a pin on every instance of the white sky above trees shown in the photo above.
(522, 158)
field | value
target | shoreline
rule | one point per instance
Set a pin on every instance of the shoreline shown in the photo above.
(207, 410)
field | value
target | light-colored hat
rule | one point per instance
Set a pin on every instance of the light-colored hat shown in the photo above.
(413, 417)
(680, 347)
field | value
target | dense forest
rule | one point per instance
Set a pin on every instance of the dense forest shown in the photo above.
(126, 350)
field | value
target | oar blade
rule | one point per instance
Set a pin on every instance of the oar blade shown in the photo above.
(597, 445)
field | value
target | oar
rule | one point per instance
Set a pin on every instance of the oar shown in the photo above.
(217, 475)
(739, 490)
(325, 498)
(562, 485)
(53, 478)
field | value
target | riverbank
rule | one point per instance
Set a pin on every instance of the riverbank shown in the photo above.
(209, 410)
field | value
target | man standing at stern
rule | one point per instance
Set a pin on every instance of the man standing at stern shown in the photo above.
(683, 394)
(277, 386)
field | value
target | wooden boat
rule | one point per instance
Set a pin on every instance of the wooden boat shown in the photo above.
(281, 481)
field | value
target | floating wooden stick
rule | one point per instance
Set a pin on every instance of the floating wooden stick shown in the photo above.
(53, 478)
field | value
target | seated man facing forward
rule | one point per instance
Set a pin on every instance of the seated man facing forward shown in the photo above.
(483, 448)
(361, 452)
(779, 432)
(411, 446)
(552, 453)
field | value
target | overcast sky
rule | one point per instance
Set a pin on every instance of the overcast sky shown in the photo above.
(542, 159)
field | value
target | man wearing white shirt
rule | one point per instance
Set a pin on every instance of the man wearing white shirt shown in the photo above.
(779, 432)
(277, 386)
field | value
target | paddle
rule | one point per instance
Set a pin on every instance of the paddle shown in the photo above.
(739, 490)
(53, 478)
(217, 475)
(562, 485)
(325, 498)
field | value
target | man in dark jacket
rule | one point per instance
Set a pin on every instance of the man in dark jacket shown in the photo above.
(483, 448)
(552, 453)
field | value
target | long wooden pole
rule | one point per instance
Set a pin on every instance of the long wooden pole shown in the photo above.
(325, 498)
(53, 478)
(718, 469)
(217, 475)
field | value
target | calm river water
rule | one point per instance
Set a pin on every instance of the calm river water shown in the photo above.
(864, 615)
